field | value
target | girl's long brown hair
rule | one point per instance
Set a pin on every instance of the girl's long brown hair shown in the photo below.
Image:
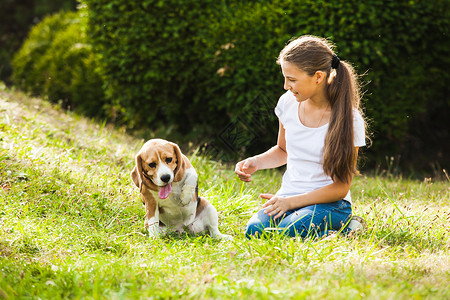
(311, 54)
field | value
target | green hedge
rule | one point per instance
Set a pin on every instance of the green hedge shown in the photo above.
(205, 64)
(57, 62)
(205, 70)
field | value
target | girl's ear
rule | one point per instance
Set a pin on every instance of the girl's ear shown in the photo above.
(319, 76)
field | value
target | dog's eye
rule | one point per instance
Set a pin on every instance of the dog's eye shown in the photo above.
(152, 165)
(169, 160)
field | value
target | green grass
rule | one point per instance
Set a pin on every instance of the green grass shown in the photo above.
(71, 226)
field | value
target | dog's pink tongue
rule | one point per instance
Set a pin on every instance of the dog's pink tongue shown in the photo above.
(165, 191)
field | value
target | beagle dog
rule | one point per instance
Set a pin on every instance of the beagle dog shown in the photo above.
(168, 185)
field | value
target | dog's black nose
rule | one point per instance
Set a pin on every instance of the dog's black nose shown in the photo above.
(165, 178)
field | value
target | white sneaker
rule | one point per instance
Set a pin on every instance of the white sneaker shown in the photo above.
(357, 224)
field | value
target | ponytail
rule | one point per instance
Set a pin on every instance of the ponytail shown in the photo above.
(339, 151)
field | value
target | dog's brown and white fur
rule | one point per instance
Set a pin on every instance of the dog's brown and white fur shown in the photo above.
(168, 185)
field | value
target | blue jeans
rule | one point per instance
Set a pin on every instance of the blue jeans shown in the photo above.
(315, 220)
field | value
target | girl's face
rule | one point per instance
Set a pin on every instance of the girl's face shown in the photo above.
(298, 82)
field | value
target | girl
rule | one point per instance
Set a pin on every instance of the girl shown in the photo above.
(320, 129)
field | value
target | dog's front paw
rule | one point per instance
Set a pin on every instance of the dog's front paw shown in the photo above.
(224, 237)
(154, 231)
(215, 234)
(187, 194)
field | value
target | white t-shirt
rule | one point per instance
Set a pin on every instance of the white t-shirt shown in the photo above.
(304, 147)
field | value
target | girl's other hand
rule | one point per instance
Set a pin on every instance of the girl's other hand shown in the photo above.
(276, 206)
(245, 168)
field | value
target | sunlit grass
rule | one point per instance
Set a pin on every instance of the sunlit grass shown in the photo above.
(71, 226)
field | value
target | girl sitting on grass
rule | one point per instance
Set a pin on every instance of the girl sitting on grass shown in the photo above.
(320, 130)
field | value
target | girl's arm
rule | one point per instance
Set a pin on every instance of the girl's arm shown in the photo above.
(272, 158)
(277, 206)
(276, 156)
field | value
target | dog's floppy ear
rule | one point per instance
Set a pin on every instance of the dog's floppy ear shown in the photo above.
(181, 164)
(138, 177)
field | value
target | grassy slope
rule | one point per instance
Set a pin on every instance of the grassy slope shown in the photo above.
(72, 226)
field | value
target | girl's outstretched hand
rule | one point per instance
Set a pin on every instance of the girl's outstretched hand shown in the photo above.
(276, 205)
(245, 168)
